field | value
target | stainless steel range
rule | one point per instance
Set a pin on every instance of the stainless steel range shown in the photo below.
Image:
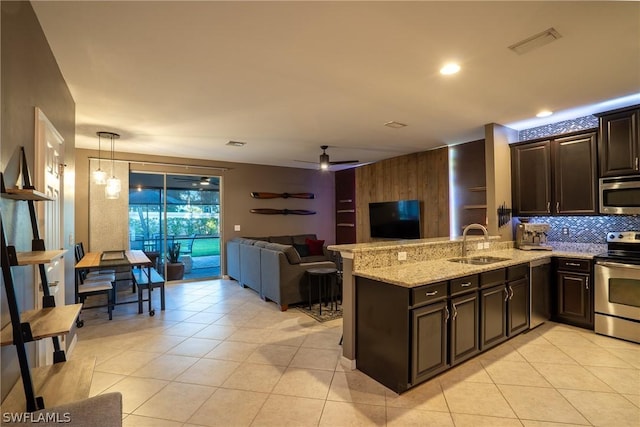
(617, 287)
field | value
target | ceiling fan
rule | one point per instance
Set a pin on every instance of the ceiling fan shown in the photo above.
(325, 162)
(204, 180)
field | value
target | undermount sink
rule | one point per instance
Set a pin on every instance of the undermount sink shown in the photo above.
(478, 260)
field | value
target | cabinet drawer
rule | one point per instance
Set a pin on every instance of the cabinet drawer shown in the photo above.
(573, 264)
(429, 293)
(494, 277)
(464, 284)
(517, 272)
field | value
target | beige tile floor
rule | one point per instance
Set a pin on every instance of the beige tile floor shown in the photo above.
(220, 356)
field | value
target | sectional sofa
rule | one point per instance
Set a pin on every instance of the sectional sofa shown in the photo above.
(275, 266)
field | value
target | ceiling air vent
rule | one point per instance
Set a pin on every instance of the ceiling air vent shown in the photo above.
(535, 41)
(394, 124)
(236, 144)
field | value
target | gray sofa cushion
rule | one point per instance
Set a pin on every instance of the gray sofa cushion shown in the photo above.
(314, 258)
(292, 255)
(283, 240)
(301, 239)
(261, 243)
(303, 250)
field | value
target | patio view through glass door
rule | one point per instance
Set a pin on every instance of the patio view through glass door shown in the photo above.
(179, 212)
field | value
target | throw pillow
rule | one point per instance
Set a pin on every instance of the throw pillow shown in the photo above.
(302, 249)
(315, 247)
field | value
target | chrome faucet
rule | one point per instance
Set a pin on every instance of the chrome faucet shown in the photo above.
(464, 235)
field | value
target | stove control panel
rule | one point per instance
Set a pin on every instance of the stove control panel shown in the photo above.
(623, 237)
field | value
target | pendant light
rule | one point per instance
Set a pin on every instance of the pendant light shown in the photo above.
(113, 187)
(99, 176)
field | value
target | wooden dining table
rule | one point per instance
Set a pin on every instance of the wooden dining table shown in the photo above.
(96, 260)
(114, 259)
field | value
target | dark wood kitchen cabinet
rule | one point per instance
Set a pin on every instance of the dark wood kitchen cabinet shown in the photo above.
(619, 142)
(531, 178)
(405, 336)
(555, 176)
(464, 340)
(574, 294)
(429, 341)
(493, 323)
(518, 299)
(574, 179)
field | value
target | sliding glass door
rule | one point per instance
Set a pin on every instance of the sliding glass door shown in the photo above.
(180, 215)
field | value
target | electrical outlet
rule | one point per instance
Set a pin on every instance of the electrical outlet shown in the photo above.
(479, 245)
(565, 231)
(402, 256)
(485, 245)
(236, 228)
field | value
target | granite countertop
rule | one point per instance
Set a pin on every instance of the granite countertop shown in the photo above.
(421, 273)
(403, 244)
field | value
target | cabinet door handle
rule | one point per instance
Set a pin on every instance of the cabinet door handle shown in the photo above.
(466, 285)
(506, 297)
(446, 317)
(557, 207)
(573, 264)
(430, 294)
(548, 207)
(637, 164)
(455, 312)
(586, 283)
(510, 292)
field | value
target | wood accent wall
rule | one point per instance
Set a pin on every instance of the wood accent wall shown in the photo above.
(423, 176)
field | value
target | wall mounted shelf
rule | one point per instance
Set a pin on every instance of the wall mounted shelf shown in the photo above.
(58, 384)
(25, 194)
(39, 257)
(45, 323)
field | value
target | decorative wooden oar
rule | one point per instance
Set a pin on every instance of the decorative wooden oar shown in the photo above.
(261, 195)
(266, 211)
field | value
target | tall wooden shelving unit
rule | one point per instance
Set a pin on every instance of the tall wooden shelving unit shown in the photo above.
(63, 381)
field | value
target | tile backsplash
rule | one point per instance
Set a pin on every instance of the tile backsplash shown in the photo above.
(581, 123)
(586, 229)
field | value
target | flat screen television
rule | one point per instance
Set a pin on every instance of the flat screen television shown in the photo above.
(395, 220)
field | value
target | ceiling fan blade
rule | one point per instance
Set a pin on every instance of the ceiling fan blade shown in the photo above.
(344, 162)
(264, 195)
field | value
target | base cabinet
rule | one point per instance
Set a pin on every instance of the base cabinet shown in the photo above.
(493, 324)
(429, 341)
(574, 294)
(465, 332)
(518, 306)
(405, 336)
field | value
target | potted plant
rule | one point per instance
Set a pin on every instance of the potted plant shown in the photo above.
(175, 268)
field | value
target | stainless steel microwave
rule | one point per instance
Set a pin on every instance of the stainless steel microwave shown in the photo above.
(620, 195)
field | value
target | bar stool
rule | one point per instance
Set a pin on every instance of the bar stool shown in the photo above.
(324, 277)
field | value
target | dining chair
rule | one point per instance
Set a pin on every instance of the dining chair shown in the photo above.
(79, 252)
(93, 283)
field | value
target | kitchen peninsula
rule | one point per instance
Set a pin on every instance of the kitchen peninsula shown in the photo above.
(395, 280)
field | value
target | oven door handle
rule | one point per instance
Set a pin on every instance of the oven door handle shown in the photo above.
(618, 265)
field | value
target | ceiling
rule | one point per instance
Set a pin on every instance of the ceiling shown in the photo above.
(182, 79)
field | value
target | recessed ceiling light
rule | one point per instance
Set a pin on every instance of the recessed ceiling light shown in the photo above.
(544, 113)
(236, 143)
(395, 125)
(450, 68)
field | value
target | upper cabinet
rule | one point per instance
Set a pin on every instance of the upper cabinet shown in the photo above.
(555, 176)
(620, 142)
(531, 178)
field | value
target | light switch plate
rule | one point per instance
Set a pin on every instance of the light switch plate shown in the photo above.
(236, 227)
(402, 256)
